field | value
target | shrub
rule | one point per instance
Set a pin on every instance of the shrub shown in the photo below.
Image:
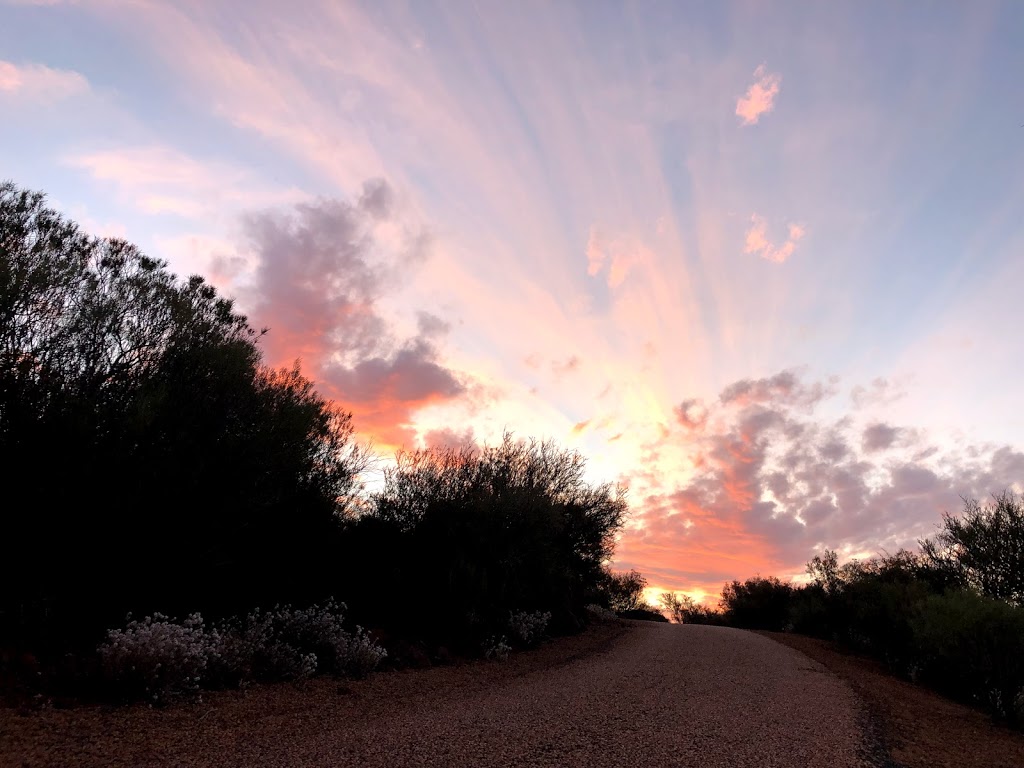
(758, 603)
(158, 658)
(497, 648)
(469, 535)
(644, 613)
(155, 659)
(624, 591)
(528, 628)
(972, 647)
(599, 613)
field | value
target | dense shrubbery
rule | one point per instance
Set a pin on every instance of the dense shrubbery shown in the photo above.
(171, 471)
(157, 659)
(468, 535)
(949, 616)
(167, 468)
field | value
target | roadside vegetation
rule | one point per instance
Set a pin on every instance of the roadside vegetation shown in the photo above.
(949, 615)
(165, 472)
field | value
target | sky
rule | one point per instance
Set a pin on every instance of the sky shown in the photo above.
(760, 263)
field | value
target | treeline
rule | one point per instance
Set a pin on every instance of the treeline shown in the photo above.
(153, 463)
(949, 615)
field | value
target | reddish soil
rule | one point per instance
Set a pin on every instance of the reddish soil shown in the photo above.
(919, 728)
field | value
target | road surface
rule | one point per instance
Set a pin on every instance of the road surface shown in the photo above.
(656, 695)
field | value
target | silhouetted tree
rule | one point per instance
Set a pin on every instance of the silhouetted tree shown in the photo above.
(151, 461)
(458, 537)
(757, 603)
(625, 591)
(984, 547)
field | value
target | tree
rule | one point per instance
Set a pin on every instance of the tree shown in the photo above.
(466, 535)
(758, 603)
(164, 467)
(984, 547)
(625, 591)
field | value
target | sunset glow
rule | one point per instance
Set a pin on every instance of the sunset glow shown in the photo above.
(759, 263)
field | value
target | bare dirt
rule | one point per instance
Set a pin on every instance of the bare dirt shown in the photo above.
(619, 695)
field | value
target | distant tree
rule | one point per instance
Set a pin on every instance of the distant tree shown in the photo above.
(152, 462)
(683, 609)
(983, 547)
(625, 591)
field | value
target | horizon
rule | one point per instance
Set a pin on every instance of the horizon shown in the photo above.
(751, 262)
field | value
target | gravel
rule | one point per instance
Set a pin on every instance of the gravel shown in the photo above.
(649, 695)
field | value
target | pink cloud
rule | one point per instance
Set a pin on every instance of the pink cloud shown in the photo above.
(760, 96)
(320, 277)
(39, 83)
(617, 255)
(769, 483)
(757, 240)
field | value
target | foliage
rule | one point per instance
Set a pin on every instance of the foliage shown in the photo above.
(497, 648)
(758, 603)
(528, 628)
(683, 609)
(597, 612)
(972, 647)
(158, 658)
(984, 547)
(644, 613)
(624, 591)
(155, 659)
(169, 470)
(469, 535)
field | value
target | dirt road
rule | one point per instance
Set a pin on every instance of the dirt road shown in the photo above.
(658, 695)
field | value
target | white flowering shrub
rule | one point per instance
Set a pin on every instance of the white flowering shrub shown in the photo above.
(496, 647)
(362, 655)
(600, 613)
(155, 659)
(528, 627)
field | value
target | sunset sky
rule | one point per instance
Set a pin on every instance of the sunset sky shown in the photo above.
(761, 262)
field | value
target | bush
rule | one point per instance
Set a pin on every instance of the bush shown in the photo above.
(528, 628)
(644, 613)
(623, 591)
(155, 659)
(470, 535)
(685, 610)
(972, 647)
(758, 603)
(600, 613)
(143, 399)
(984, 547)
(497, 648)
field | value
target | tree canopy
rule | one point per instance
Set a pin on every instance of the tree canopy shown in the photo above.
(152, 460)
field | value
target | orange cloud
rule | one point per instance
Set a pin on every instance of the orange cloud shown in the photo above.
(760, 96)
(757, 240)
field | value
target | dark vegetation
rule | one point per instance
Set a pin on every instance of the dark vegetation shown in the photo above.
(153, 463)
(950, 615)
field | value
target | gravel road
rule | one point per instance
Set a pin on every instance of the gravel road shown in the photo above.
(666, 695)
(655, 695)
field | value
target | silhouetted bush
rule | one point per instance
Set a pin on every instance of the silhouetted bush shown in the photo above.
(644, 613)
(971, 647)
(167, 469)
(685, 610)
(622, 591)
(758, 603)
(464, 536)
(983, 548)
